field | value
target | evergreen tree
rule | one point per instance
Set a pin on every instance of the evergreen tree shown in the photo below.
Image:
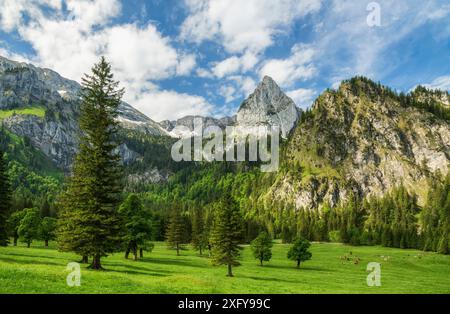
(47, 229)
(29, 226)
(5, 201)
(262, 247)
(90, 224)
(138, 226)
(176, 233)
(226, 234)
(299, 251)
(199, 237)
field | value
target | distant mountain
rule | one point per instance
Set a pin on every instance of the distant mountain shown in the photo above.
(267, 106)
(175, 130)
(43, 106)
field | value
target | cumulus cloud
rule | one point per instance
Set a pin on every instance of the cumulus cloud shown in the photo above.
(298, 66)
(171, 105)
(240, 26)
(235, 64)
(71, 41)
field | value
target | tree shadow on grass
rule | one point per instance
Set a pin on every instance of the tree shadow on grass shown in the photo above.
(27, 262)
(170, 261)
(137, 269)
(36, 256)
(134, 272)
(302, 268)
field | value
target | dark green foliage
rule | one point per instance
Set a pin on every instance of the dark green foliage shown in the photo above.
(299, 251)
(47, 229)
(13, 224)
(226, 234)
(29, 226)
(436, 218)
(176, 231)
(138, 226)
(199, 238)
(5, 201)
(262, 247)
(89, 223)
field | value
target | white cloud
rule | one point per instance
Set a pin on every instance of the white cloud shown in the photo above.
(442, 83)
(240, 26)
(302, 97)
(71, 41)
(171, 105)
(228, 92)
(235, 64)
(298, 66)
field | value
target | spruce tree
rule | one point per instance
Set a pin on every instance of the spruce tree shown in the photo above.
(5, 201)
(199, 237)
(226, 234)
(176, 232)
(90, 224)
(262, 247)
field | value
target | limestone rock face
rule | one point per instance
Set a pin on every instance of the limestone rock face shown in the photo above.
(269, 106)
(364, 139)
(56, 134)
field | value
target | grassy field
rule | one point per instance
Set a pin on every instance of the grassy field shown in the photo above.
(35, 111)
(43, 270)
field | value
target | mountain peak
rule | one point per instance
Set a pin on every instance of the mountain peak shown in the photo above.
(268, 106)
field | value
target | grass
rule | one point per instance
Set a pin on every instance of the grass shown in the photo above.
(43, 270)
(34, 110)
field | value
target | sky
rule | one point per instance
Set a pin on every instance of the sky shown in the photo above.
(204, 57)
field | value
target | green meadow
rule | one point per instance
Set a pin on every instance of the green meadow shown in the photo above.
(43, 270)
(34, 110)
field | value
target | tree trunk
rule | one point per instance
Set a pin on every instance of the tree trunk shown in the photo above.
(46, 243)
(28, 244)
(141, 253)
(15, 241)
(135, 252)
(178, 249)
(85, 259)
(298, 263)
(96, 264)
(261, 262)
(127, 252)
(200, 250)
(230, 273)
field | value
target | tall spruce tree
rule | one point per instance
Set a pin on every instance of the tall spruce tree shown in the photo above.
(176, 231)
(226, 234)
(5, 201)
(90, 224)
(199, 237)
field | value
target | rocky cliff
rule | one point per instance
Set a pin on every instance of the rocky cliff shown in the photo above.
(364, 138)
(53, 104)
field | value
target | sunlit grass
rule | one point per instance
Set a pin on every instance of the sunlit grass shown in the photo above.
(43, 270)
(34, 110)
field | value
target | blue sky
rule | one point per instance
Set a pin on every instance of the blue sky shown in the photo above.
(204, 57)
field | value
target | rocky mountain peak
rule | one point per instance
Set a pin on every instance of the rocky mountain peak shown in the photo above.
(268, 105)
